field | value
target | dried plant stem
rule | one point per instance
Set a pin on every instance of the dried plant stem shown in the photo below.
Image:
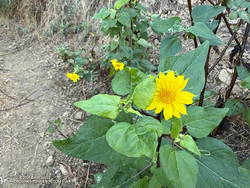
(225, 48)
(158, 151)
(231, 31)
(87, 176)
(221, 55)
(202, 95)
(235, 74)
(227, 24)
(190, 13)
(3, 92)
(244, 40)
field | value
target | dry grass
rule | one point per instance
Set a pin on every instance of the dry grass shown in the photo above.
(49, 17)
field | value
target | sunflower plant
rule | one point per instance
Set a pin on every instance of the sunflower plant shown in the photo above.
(154, 131)
(127, 24)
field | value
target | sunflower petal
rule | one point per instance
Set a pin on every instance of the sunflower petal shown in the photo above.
(168, 111)
(181, 83)
(170, 80)
(152, 106)
(159, 108)
(176, 113)
(184, 97)
(159, 84)
(180, 107)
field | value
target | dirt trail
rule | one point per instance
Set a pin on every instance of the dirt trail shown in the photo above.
(29, 98)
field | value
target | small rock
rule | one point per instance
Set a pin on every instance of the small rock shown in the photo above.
(79, 115)
(63, 170)
(224, 76)
(237, 90)
(50, 161)
(181, 2)
(46, 145)
(230, 71)
(174, 12)
(41, 134)
(1, 59)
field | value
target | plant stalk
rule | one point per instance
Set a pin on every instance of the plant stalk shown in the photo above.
(202, 95)
(158, 163)
(192, 23)
(235, 74)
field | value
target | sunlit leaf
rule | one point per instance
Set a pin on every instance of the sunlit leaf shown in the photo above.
(102, 105)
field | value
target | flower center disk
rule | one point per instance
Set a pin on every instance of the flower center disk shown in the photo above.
(167, 96)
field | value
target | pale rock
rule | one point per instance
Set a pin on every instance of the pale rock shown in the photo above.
(174, 12)
(230, 71)
(63, 170)
(50, 161)
(79, 115)
(237, 90)
(224, 76)
(46, 145)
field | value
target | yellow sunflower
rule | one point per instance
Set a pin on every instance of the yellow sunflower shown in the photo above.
(73, 76)
(117, 65)
(169, 96)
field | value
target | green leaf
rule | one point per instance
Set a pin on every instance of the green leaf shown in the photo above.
(191, 65)
(170, 46)
(145, 65)
(244, 75)
(242, 72)
(135, 140)
(141, 183)
(108, 24)
(179, 167)
(121, 83)
(244, 4)
(201, 30)
(144, 93)
(244, 178)
(235, 107)
(166, 25)
(233, 15)
(144, 43)
(120, 3)
(136, 77)
(102, 105)
(119, 176)
(124, 19)
(200, 121)
(166, 124)
(103, 13)
(124, 117)
(113, 45)
(126, 80)
(51, 129)
(218, 166)
(154, 183)
(244, 16)
(203, 13)
(246, 82)
(246, 115)
(90, 143)
(160, 177)
(176, 127)
(112, 13)
(186, 141)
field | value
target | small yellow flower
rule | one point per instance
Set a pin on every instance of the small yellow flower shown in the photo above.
(73, 76)
(117, 65)
(169, 96)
